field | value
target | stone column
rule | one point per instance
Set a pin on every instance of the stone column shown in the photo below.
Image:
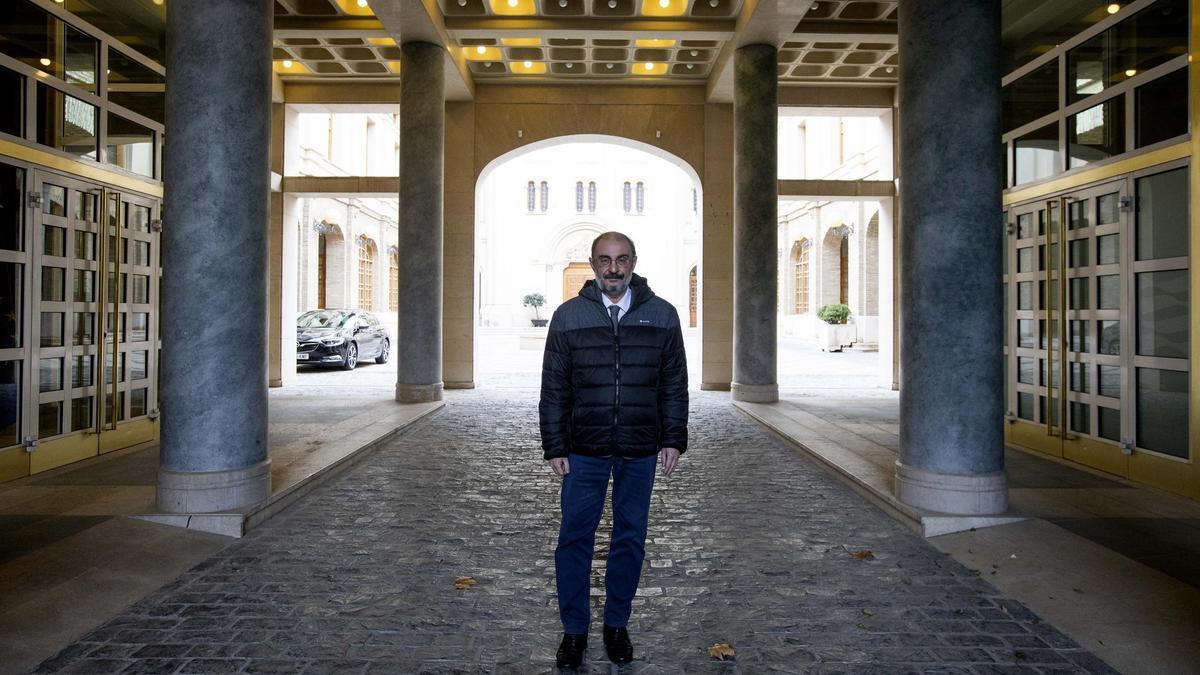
(755, 193)
(951, 407)
(216, 210)
(422, 129)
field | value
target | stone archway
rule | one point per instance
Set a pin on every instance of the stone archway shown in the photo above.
(331, 267)
(833, 289)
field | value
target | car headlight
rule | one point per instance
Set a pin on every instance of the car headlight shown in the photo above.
(333, 341)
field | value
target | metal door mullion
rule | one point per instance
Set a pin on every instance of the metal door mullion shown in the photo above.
(1128, 316)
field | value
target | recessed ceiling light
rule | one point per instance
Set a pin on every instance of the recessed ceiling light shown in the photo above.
(288, 64)
(481, 49)
(362, 3)
(608, 65)
(695, 53)
(529, 64)
(570, 66)
(512, 3)
(44, 61)
(612, 4)
(1114, 8)
(562, 3)
(1131, 72)
(462, 3)
(691, 65)
(648, 66)
(714, 3)
(157, 2)
(664, 3)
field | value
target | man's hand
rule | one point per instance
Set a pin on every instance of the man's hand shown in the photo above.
(560, 466)
(670, 457)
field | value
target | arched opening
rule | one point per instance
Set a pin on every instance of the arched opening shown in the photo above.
(522, 253)
(331, 267)
(834, 251)
(871, 268)
(799, 257)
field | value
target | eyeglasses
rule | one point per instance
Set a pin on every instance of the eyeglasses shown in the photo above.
(622, 261)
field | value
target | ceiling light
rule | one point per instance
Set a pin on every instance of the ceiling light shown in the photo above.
(157, 2)
(714, 3)
(612, 4)
(462, 3)
(481, 49)
(1114, 8)
(664, 3)
(570, 66)
(44, 61)
(288, 64)
(562, 3)
(362, 3)
(512, 3)
(60, 1)
(1131, 72)
(648, 66)
(691, 65)
(529, 64)
(608, 65)
(695, 53)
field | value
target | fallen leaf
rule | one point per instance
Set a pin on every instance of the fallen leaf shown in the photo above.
(864, 554)
(720, 650)
(462, 583)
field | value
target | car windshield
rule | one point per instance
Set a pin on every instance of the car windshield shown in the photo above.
(323, 318)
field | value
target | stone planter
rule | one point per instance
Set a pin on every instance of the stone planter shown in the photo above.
(834, 336)
(539, 323)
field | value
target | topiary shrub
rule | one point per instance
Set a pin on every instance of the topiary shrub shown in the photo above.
(835, 313)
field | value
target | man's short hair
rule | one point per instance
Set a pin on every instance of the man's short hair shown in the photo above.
(614, 235)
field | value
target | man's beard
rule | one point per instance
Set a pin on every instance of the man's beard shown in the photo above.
(619, 289)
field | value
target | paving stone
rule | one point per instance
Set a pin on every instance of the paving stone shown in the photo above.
(750, 544)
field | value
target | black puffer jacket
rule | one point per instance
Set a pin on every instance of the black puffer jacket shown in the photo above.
(621, 394)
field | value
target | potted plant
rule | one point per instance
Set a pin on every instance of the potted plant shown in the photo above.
(535, 300)
(835, 333)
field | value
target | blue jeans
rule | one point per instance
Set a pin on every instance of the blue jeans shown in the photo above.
(582, 502)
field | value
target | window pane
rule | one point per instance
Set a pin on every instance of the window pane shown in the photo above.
(130, 145)
(137, 402)
(1162, 314)
(1108, 249)
(137, 364)
(1162, 215)
(137, 218)
(1025, 333)
(81, 413)
(12, 103)
(1032, 97)
(49, 419)
(1025, 295)
(1162, 411)
(1077, 215)
(1108, 209)
(1025, 226)
(110, 410)
(84, 286)
(1079, 336)
(50, 374)
(1162, 107)
(135, 86)
(1079, 293)
(1110, 381)
(54, 240)
(85, 207)
(85, 245)
(66, 123)
(141, 253)
(1025, 259)
(1078, 252)
(10, 305)
(53, 284)
(1110, 423)
(1110, 337)
(81, 371)
(10, 402)
(52, 329)
(140, 329)
(1052, 413)
(85, 325)
(37, 38)
(1081, 417)
(141, 289)
(1025, 405)
(54, 199)
(1025, 369)
(1096, 133)
(108, 368)
(12, 215)
(1037, 154)
(1149, 38)
(1108, 291)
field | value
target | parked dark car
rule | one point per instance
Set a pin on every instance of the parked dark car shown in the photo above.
(340, 337)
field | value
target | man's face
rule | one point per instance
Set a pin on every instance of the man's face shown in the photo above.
(613, 263)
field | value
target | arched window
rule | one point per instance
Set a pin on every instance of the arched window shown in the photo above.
(800, 276)
(366, 273)
(641, 197)
(578, 196)
(530, 197)
(394, 280)
(545, 196)
(591, 196)
(625, 197)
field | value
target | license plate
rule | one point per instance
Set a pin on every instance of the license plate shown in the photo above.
(302, 357)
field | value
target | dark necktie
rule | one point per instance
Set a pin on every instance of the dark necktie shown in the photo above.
(614, 311)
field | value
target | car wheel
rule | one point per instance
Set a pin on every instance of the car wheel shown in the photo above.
(351, 358)
(383, 353)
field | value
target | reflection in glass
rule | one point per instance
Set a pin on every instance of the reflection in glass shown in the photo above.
(10, 305)
(137, 403)
(1077, 216)
(1025, 369)
(1049, 372)
(54, 200)
(50, 374)
(1024, 295)
(110, 410)
(1110, 381)
(54, 283)
(1162, 411)
(137, 364)
(137, 218)
(1162, 314)
(81, 413)
(49, 419)
(1078, 252)
(141, 253)
(1110, 337)
(1108, 209)
(81, 371)
(10, 402)
(1025, 333)
(1036, 154)
(85, 206)
(12, 103)
(1078, 336)
(135, 86)
(1162, 215)
(1108, 291)
(84, 286)
(139, 331)
(1025, 405)
(85, 245)
(52, 329)
(43, 41)
(1096, 133)
(85, 323)
(108, 368)
(1079, 293)
(66, 123)
(1081, 417)
(1110, 423)
(1108, 249)
(1149, 38)
(1025, 226)
(12, 211)
(54, 240)
(1078, 378)
(130, 145)
(144, 30)
(1162, 107)
(1031, 97)
(1051, 414)
(1025, 259)
(141, 289)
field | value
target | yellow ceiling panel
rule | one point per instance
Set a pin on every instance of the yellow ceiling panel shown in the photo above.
(513, 7)
(650, 69)
(521, 42)
(528, 67)
(382, 41)
(664, 7)
(393, 66)
(483, 53)
(656, 43)
(355, 7)
(287, 67)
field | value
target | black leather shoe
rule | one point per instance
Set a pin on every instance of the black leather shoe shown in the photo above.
(571, 649)
(616, 642)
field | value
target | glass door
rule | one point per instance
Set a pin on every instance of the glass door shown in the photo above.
(1066, 299)
(94, 337)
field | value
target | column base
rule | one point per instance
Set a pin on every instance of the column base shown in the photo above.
(213, 491)
(755, 393)
(714, 386)
(469, 384)
(419, 393)
(974, 495)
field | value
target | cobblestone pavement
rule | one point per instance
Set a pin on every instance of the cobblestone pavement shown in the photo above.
(750, 544)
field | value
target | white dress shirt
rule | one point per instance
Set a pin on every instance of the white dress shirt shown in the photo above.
(623, 303)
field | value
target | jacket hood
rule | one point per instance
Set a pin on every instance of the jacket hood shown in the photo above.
(637, 285)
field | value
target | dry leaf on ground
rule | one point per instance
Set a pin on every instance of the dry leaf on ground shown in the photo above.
(720, 650)
(464, 582)
(864, 554)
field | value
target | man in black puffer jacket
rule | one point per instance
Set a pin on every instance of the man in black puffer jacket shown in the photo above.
(614, 394)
